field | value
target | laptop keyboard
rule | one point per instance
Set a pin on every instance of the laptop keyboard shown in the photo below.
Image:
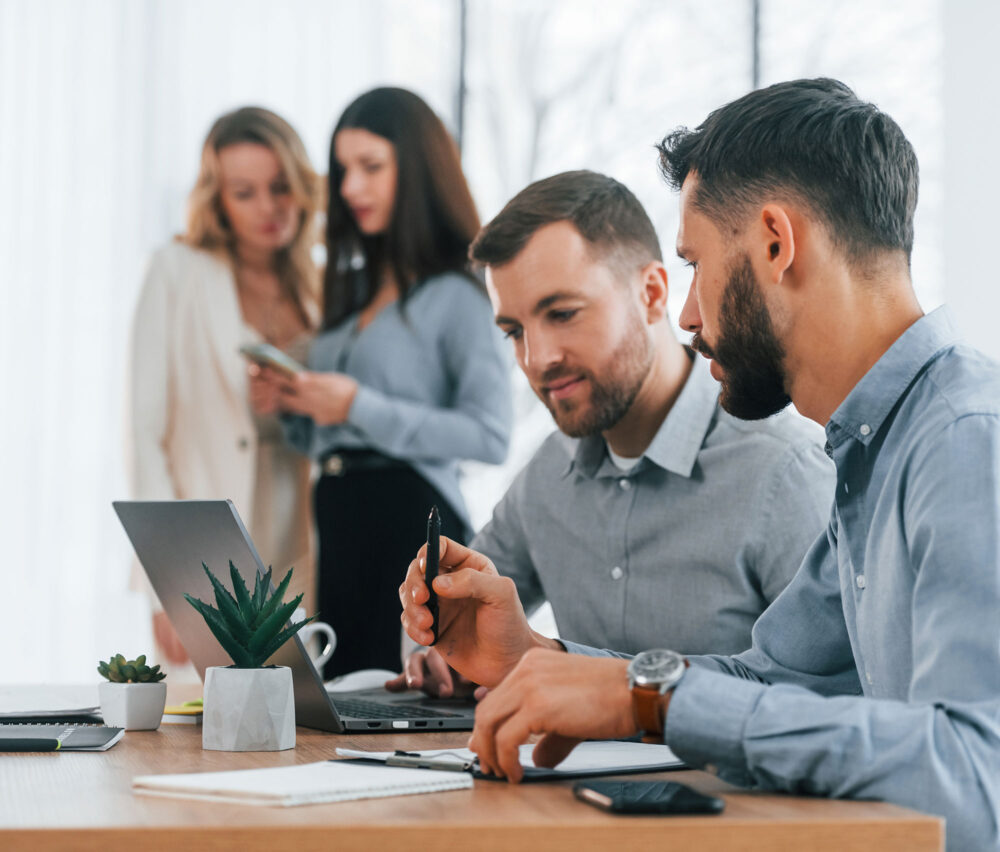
(374, 710)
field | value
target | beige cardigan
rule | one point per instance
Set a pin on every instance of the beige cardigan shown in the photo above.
(192, 432)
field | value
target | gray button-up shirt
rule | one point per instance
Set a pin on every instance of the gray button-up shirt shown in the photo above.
(884, 651)
(683, 551)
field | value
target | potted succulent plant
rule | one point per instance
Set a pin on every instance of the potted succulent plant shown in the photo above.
(133, 696)
(249, 706)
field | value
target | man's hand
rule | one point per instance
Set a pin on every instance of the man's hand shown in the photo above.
(482, 629)
(325, 397)
(426, 669)
(565, 697)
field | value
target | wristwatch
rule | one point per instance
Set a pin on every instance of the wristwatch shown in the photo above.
(651, 675)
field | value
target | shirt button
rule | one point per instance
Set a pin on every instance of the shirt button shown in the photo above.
(865, 429)
(624, 484)
(617, 573)
(868, 676)
(242, 443)
(860, 580)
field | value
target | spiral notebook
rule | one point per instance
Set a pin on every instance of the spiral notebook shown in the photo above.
(304, 784)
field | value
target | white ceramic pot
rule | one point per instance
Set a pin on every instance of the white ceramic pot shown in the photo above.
(133, 706)
(248, 709)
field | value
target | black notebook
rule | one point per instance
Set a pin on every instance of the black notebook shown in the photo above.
(71, 736)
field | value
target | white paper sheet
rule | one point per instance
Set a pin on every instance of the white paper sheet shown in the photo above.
(307, 783)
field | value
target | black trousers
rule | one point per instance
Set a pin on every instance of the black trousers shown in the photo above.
(371, 524)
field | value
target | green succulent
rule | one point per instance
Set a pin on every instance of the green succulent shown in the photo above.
(119, 670)
(249, 627)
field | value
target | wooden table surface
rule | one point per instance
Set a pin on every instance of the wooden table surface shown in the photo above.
(83, 801)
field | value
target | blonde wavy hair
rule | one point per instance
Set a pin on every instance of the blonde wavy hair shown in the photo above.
(207, 227)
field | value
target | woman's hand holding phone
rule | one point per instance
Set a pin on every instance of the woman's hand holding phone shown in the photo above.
(325, 397)
(265, 390)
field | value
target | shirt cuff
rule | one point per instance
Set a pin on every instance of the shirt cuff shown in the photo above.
(364, 408)
(588, 651)
(706, 720)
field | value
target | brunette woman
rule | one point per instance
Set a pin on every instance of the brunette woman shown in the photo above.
(408, 376)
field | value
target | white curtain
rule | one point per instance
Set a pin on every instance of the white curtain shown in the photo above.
(104, 105)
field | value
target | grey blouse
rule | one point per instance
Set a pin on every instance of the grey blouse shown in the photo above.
(433, 379)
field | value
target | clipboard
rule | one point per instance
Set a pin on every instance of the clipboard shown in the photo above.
(589, 759)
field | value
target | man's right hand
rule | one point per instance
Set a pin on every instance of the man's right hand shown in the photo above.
(482, 629)
(426, 669)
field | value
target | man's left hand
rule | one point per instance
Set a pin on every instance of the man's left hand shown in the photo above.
(565, 697)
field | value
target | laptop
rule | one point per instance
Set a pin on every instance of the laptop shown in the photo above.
(173, 537)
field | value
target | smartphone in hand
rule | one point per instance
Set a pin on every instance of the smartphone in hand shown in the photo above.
(266, 355)
(646, 797)
(432, 562)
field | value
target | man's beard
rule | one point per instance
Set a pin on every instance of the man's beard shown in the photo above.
(749, 353)
(609, 399)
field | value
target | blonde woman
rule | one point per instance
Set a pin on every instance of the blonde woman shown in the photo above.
(241, 273)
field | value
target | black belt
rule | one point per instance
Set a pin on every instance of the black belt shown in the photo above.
(344, 462)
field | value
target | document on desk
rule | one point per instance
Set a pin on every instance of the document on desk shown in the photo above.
(305, 784)
(46, 703)
(588, 760)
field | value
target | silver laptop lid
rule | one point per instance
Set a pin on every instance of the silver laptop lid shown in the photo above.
(172, 538)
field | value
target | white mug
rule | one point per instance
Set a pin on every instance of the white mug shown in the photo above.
(309, 631)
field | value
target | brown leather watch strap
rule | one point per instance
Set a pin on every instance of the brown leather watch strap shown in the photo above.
(646, 708)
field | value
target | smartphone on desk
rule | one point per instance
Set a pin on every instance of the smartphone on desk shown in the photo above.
(646, 797)
(266, 355)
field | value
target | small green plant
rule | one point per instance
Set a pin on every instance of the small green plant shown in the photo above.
(249, 627)
(120, 670)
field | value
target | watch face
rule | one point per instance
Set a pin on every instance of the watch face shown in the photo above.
(657, 667)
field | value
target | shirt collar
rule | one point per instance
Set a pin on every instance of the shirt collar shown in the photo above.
(866, 407)
(676, 444)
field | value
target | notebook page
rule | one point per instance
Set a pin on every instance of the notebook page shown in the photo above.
(308, 783)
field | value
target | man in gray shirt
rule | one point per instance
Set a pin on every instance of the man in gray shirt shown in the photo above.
(650, 499)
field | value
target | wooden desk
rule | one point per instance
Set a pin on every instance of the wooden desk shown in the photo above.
(83, 801)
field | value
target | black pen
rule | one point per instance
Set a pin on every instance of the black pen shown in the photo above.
(431, 569)
(30, 744)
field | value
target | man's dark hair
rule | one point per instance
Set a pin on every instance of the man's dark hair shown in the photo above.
(815, 140)
(604, 211)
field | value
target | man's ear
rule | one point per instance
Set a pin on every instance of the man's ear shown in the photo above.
(776, 242)
(654, 291)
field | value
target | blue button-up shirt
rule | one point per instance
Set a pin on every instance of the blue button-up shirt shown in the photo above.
(876, 673)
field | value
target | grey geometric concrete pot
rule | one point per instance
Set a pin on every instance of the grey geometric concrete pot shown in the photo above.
(248, 709)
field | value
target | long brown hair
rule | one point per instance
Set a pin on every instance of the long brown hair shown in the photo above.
(207, 227)
(433, 219)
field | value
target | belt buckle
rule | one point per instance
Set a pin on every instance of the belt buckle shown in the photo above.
(334, 465)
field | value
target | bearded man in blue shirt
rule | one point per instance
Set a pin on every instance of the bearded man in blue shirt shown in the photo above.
(876, 673)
